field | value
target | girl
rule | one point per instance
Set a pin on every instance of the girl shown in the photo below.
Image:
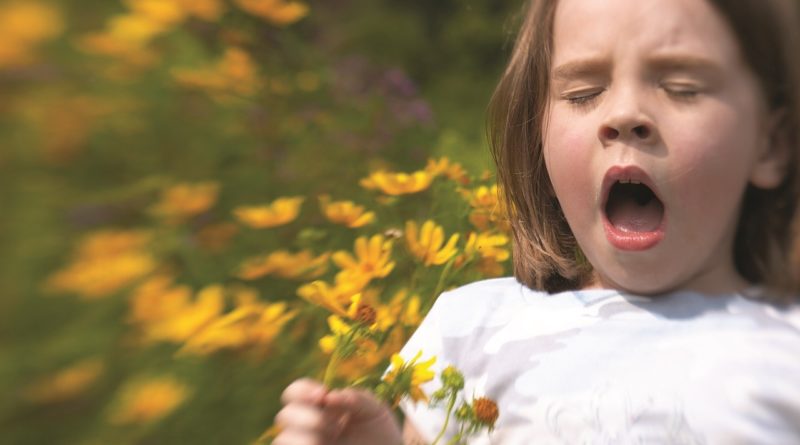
(648, 150)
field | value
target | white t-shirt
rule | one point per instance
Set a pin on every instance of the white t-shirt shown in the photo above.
(604, 367)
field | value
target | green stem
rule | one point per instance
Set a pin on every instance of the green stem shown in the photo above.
(450, 405)
(458, 437)
(414, 278)
(455, 440)
(440, 283)
(331, 368)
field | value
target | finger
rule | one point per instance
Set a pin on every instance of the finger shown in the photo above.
(306, 418)
(357, 403)
(297, 438)
(305, 391)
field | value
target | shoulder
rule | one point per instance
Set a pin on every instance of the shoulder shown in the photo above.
(487, 293)
(478, 305)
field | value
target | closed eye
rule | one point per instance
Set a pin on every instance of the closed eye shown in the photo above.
(582, 98)
(682, 92)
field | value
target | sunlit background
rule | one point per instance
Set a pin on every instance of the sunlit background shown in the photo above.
(201, 198)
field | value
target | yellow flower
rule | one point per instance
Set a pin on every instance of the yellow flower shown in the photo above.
(487, 245)
(405, 378)
(339, 329)
(251, 324)
(397, 183)
(402, 309)
(488, 249)
(148, 400)
(208, 10)
(182, 201)
(134, 29)
(345, 212)
(158, 11)
(301, 265)
(333, 298)
(278, 12)
(279, 212)
(178, 318)
(360, 354)
(216, 237)
(67, 383)
(372, 260)
(428, 244)
(156, 299)
(482, 197)
(235, 73)
(487, 208)
(105, 262)
(361, 312)
(104, 43)
(23, 26)
(452, 170)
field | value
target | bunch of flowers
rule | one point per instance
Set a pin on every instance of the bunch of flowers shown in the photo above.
(372, 297)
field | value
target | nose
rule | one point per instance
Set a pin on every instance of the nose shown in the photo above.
(627, 121)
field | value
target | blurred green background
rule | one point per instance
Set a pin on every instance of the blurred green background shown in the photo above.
(105, 103)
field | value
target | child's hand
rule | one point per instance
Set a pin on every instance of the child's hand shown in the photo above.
(312, 415)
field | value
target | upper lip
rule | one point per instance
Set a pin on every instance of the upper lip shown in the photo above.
(626, 173)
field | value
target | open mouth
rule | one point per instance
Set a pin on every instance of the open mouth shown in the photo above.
(633, 207)
(634, 214)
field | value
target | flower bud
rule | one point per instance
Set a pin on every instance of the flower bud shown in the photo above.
(452, 378)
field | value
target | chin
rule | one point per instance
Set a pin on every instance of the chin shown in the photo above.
(639, 284)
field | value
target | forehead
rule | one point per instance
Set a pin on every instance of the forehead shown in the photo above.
(604, 28)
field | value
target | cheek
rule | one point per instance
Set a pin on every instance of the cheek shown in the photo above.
(709, 169)
(712, 156)
(567, 152)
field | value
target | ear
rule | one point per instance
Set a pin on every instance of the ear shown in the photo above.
(772, 162)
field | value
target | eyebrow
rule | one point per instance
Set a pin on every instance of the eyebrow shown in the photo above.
(682, 62)
(580, 68)
(591, 67)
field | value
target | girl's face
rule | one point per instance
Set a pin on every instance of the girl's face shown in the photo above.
(655, 127)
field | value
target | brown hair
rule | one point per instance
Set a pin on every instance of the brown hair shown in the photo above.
(546, 254)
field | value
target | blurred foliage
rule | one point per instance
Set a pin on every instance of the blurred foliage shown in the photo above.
(193, 188)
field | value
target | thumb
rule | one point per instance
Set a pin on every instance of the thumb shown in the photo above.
(359, 404)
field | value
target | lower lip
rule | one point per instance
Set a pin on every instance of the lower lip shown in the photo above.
(632, 241)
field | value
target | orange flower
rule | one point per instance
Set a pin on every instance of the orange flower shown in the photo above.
(278, 12)
(184, 200)
(235, 73)
(452, 170)
(486, 411)
(67, 383)
(216, 237)
(23, 26)
(279, 212)
(148, 400)
(208, 10)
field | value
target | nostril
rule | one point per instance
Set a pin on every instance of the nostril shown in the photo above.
(641, 131)
(609, 133)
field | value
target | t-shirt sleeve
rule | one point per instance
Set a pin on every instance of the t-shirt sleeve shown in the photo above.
(427, 340)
